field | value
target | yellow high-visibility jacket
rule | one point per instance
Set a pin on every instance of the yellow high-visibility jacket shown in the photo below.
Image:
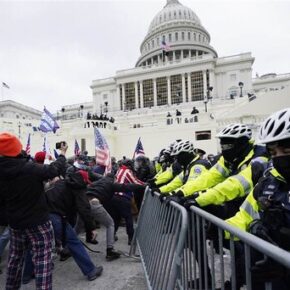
(221, 184)
(249, 210)
(164, 176)
(196, 167)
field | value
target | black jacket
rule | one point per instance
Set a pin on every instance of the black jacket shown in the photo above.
(3, 216)
(21, 186)
(67, 197)
(104, 189)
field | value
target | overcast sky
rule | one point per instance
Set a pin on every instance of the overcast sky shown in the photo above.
(51, 51)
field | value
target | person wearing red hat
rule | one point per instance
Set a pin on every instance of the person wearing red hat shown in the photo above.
(39, 157)
(21, 183)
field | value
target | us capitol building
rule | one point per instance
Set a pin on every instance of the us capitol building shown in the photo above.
(178, 69)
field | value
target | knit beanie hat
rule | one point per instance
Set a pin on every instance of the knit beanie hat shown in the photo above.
(39, 157)
(10, 145)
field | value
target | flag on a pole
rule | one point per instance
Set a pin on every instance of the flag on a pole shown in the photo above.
(165, 49)
(48, 122)
(28, 145)
(77, 150)
(4, 85)
(102, 151)
(139, 150)
(44, 146)
(55, 154)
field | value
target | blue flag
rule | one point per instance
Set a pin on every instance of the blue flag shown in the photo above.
(47, 122)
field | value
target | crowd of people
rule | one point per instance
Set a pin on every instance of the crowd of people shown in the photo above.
(46, 204)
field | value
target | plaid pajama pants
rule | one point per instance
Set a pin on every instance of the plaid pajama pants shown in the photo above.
(39, 239)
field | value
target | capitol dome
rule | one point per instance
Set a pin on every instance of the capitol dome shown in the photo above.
(180, 30)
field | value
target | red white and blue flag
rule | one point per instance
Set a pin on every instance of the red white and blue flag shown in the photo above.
(103, 156)
(27, 149)
(77, 150)
(139, 150)
(48, 122)
(165, 47)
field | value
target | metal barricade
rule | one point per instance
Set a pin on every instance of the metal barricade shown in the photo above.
(228, 264)
(160, 237)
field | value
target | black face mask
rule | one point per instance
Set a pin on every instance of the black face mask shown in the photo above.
(282, 165)
(184, 158)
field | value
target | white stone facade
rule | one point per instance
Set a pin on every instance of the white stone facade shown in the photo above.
(187, 73)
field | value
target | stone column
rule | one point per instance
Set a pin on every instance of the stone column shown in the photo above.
(204, 84)
(136, 95)
(183, 89)
(169, 90)
(123, 97)
(118, 96)
(189, 87)
(154, 93)
(141, 95)
(212, 82)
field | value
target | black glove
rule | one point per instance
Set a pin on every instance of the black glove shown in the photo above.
(162, 197)
(151, 182)
(189, 202)
(170, 198)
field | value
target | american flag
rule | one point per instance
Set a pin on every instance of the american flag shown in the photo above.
(165, 47)
(77, 148)
(102, 151)
(28, 145)
(139, 150)
(47, 122)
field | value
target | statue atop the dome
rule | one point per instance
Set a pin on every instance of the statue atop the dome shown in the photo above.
(172, 2)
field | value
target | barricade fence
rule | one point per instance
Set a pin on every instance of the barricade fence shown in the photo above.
(183, 249)
(160, 237)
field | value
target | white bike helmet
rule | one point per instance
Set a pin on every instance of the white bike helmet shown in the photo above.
(182, 146)
(235, 131)
(276, 127)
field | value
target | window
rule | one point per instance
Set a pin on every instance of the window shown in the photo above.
(163, 38)
(174, 14)
(197, 86)
(161, 85)
(182, 35)
(169, 15)
(169, 37)
(129, 96)
(194, 36)
(199, 37)
(179, 13)
(157, 41)
(176, 89)
(152, 43)
(176, 36)
(189, 36)
(202, 135)
(148, 93)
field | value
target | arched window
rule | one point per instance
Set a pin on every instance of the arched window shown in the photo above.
(169, 15)
(194, 36)
(176, 36)
(182, 36)
(169, 37)
(199, 37)
(189, 36)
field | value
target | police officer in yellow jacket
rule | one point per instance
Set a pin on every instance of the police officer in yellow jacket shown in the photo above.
(192, 165)
(266, 210)
(234, 175)
(170, 167)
